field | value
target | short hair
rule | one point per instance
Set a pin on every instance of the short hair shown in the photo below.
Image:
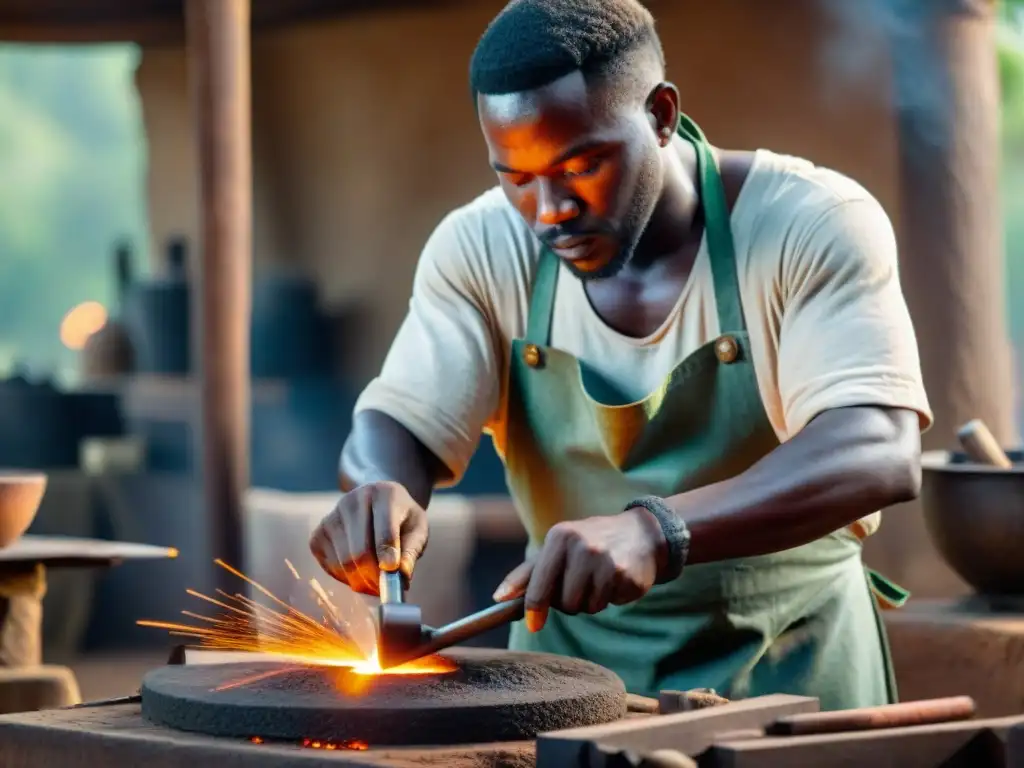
(532, 43)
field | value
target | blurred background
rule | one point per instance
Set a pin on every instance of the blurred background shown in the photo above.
(363, 138)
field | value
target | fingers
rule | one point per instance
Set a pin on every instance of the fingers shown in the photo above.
(414, 533)
(544, 581)
(323, 550)
(374, 527)
(603, 586)
(355, 549)
(387, 536)
(514, 585)
(577, 579)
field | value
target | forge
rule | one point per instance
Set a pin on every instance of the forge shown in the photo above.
(489, 696)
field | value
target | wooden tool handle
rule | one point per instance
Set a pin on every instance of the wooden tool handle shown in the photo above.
(643, 705)
(981, 446)
(901, 715)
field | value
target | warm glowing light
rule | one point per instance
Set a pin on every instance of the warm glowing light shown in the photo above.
(357, 746)
(282, 631)
(81, 322)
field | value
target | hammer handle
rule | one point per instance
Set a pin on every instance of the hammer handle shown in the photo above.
(477, 623)
(391, 587)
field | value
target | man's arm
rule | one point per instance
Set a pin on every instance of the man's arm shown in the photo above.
(380, 449)
(419, 421)
(850, 384)
(846, 463)
(417, 424)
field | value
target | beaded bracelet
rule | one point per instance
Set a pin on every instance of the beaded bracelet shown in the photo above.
(677, 535)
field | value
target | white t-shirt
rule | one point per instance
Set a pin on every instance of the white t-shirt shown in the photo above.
(817, 265)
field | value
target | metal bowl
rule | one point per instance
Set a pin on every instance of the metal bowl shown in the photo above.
(20, 496)
(975, 516)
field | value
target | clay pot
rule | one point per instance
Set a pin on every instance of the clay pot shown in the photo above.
(20, 496)
(975, 516)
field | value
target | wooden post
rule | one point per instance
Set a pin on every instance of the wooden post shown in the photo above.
(946, 98)
(946, 85)
(219, 61)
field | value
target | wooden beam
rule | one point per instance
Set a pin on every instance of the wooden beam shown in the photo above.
(219, 68)
(159, 23)
(946, 91)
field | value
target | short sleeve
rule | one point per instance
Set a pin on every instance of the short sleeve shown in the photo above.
(441, 378)
(846, 337)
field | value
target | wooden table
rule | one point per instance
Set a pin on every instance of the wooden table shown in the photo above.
(972, 646)
(71, 552)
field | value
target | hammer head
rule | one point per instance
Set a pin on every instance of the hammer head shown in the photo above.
(399, 625)
(399, 633)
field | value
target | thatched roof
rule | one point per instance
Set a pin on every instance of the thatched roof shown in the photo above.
(149, 21)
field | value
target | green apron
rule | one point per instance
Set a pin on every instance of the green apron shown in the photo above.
(802, 621)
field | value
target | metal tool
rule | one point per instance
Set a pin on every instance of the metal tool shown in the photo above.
(176, 659)
(403, 637)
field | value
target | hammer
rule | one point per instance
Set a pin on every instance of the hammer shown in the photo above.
(403, 637)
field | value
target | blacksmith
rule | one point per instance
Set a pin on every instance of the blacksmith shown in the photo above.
(696, 363)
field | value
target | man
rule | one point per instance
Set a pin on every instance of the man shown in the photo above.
(696, 363)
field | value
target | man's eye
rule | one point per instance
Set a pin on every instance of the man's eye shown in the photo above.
(518, 179)
(581, 167)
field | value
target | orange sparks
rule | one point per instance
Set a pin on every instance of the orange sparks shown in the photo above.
(282, 631)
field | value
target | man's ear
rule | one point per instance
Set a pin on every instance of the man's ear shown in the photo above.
(663, 111)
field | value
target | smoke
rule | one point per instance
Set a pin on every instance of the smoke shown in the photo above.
(866, 32)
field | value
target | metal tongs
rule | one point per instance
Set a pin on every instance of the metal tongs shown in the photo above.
(403, 637)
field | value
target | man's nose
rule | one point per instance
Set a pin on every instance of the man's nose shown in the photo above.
(554, 207)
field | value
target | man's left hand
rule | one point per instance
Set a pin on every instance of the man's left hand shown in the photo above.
(586, 565)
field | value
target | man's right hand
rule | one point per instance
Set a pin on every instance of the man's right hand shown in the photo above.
(373, 527)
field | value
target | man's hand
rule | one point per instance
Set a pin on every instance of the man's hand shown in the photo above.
(586, 565)
(373, 527)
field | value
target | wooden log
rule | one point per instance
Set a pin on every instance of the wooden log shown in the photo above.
(219, 68)
(641, 705)
(670, 702)
(687, 732)
(904, 714)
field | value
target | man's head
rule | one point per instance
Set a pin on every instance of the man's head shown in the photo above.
(575, 111)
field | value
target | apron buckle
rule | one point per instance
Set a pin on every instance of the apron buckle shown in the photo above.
(532, 356)
(726, 349)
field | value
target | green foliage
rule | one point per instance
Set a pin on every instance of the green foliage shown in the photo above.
(71, 160)
(1011, 72)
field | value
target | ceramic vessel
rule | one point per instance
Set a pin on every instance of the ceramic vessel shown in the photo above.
(20, 496)
(975, 516)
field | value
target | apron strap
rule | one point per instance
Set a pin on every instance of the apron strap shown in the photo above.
(889, 594)
(720, 250)
(542, 300)
(718, 231)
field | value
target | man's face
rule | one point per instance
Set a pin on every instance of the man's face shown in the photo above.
(583, 172)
